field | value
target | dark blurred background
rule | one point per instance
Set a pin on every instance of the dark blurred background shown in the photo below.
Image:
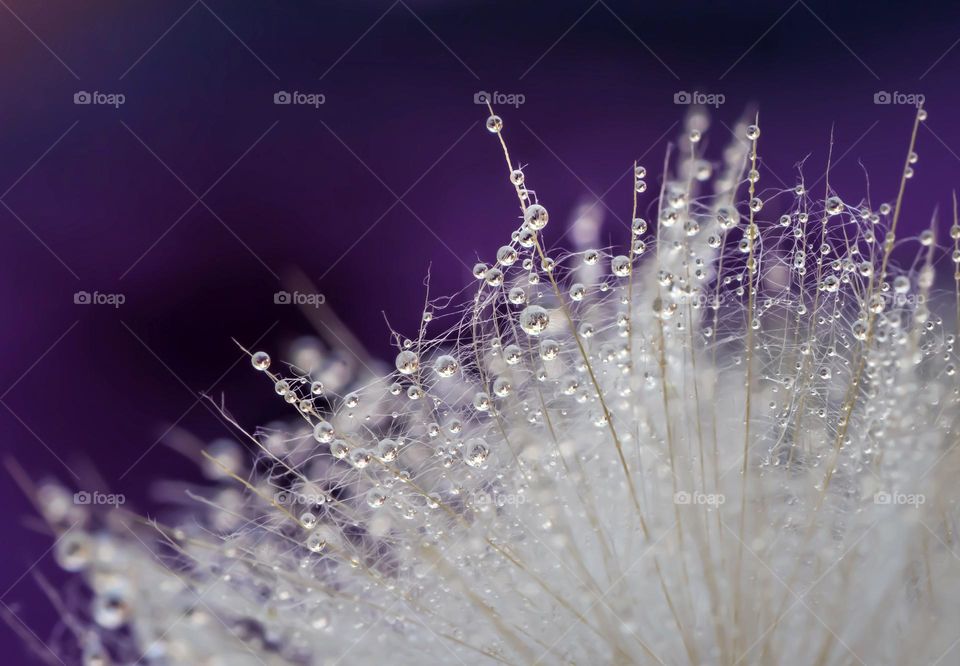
(196, 197)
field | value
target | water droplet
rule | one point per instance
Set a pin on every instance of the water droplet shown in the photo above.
(549, 349)
(260, 360)
(534, 320)
(388, 449)
(536, 217)
(407, 362)
(315, 542)
(860, 330)
(727, 217)
(502, 387)
(833, 206)
(446, 365)
(620, 266)
(376, 498)
(506, 256)
(476, 452)
(339, 449)
(308, 520)
(324, 432)
(481, 401)
(493, 277)
(830, 284)
(360, 458)
(512, 354)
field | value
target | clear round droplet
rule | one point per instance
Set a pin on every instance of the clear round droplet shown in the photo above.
(476, 452)
(260, 360)
(534, 320)
(536, 217)
(620, 265)
(446, 365)
(407, 362)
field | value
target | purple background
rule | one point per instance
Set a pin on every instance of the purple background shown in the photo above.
(83, 198)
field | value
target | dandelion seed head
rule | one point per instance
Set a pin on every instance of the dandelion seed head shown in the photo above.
(633, 454)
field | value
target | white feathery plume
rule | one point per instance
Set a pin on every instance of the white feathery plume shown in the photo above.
(731, 442)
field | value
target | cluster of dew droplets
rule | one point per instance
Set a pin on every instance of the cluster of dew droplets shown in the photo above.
(458, 489)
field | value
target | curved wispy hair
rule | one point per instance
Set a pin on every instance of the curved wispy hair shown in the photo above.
(729, 442)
